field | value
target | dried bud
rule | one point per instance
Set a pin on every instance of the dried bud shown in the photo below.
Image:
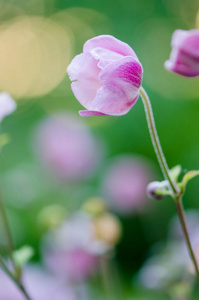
(107, 229)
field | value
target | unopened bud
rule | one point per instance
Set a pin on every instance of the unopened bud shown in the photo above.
(107, 228)
(157, 190)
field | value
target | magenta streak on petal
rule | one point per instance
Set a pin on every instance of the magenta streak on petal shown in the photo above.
(130, 72)
(89, 113)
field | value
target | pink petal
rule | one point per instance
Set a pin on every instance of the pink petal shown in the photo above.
(183, 66)
(120, 81)
(7, 105)
(110, 43)
(83, 65)
(105, 56)
(188, 41)
(184, 57)
(84, 73)
(89, 113)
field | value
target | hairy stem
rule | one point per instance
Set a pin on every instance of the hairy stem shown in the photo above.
(181, 216)
(156, 142)
(8, 234)
(165, 170)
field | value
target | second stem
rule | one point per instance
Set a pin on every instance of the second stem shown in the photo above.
(165, 170)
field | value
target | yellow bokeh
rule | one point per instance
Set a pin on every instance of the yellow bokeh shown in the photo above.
(34, 52)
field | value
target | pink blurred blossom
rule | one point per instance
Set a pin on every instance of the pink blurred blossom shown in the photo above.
(70, 250)
(7, 105)
(39, 285)
(106, 77)
(74, 264)
(67, 148)
(125, 183)
(192, 220)
(172, 262)
(184, 58)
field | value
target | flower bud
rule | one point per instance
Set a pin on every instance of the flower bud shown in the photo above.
(184, 58)
(157, 190)
(107, 229)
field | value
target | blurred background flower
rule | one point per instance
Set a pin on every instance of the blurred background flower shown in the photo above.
(70, 250)
(39, 284)
(169, 263)
(67, 148)
(125, 182)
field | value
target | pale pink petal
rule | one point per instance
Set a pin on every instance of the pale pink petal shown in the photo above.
(89, 113)
(110, 43)
(188, 40)
(120, 81)
(84, 73)
(183, 65)
(83, 65)
(7, 105)
(105, 56)
(184, 57)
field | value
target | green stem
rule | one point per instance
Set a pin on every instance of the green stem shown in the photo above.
(12, 277)
(155, 140)
(180, 210)
(163, 164)
(8, 234)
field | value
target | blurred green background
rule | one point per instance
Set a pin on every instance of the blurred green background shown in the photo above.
(38, 39)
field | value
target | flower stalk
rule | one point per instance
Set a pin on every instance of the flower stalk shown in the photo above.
(14, 279)
(8, 235)
(176, 192)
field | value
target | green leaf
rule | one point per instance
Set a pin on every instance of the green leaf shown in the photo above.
(4, 139)
(175, 172)
(188, 176)
(23, 255)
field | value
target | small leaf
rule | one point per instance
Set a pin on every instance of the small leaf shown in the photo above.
(175, 172)
(4, 139)
(23, 255)
(188, 176)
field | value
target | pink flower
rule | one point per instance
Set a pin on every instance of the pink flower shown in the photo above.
(106, 77)
(74, 264)
(69, 251)
(66, 147)
(184, 58)
(125, 183)
(7, 105)
(39, 285)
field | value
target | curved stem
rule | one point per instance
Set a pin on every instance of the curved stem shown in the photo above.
(181, 215)
(18, 283)
(163, 164)
(8, 234)
(155, 140)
